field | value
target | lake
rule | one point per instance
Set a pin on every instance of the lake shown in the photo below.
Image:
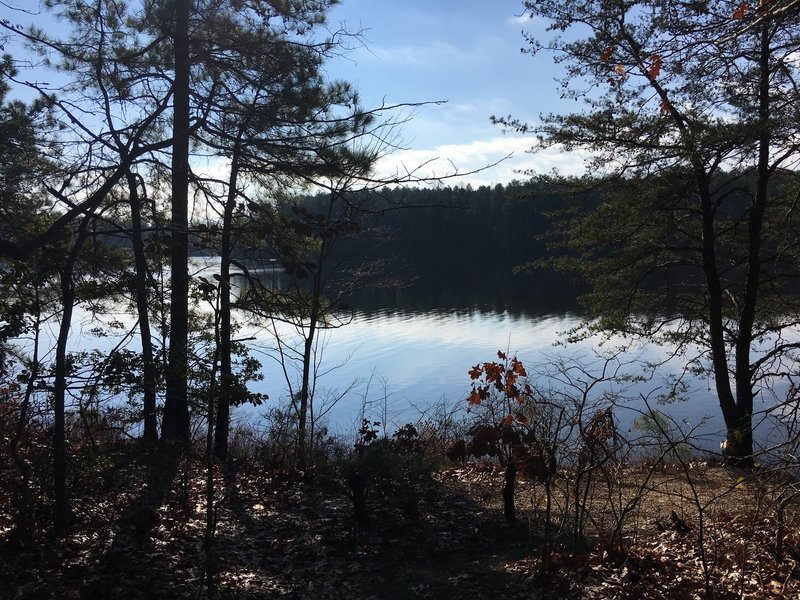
(402, 352)
(405, 351)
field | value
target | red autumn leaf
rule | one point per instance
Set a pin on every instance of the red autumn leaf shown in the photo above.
(508, 420)
(740, 13)
(664, 107)
(606, 54)
(475, 372)
(501, 355)
(620, 69)
(474, 397)
(522, 418)
(655, 67)
(518, 368)
(494, 372)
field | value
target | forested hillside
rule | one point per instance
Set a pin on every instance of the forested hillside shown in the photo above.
(456, 246)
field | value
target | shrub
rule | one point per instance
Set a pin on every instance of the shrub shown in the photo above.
(382, 467)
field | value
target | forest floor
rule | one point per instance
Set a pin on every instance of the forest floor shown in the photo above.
(286, 538)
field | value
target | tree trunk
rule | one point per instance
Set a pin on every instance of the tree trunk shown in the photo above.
(719, 354)
(738, 448)
(61, 506)
(739, 443)
(739, 421)
(509, 510)
(210, 563)
(149, 374)
(305, 392)
(175, 426)
(305, 388)
(60, 498)
(225, 344)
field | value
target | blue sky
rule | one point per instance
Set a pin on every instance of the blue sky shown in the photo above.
(464, 52)
(468, 53)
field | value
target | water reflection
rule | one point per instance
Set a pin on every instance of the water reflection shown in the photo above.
(437, 287)
(407, 349)
(405, 362)
(490, 291)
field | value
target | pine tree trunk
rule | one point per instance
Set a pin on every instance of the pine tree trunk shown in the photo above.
(149, 375)
(61, 502)
(60, 498)
(175, 426)
(225, 343)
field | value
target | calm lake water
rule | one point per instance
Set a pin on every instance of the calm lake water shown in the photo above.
(403, 352)
(408, 350)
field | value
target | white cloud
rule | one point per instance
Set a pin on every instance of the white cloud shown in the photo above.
(490, 161)
(498, 159)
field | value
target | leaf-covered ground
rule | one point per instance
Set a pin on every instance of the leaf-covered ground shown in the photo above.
(278, 537)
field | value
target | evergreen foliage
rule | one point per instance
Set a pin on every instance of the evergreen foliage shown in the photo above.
(690, 118)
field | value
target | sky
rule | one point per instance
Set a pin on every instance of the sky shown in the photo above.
(468, 53)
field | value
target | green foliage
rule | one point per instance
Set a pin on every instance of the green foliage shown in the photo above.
(689, 117)
(636, 242)
(23, 161)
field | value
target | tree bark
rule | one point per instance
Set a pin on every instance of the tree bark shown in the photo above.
(227, 387)
(60, 497)
(175, 426)
(509, 509)
(739, 422)
(149, 374)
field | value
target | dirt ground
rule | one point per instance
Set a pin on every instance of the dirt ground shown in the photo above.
(287, 538)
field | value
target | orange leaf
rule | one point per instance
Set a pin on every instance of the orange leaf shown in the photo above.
(518, 368)
(475, 372)
(474, 397)
(664, 107)
(494, 372)
(606, 54)
(508, 420)
(655, 67)
(740, 13)
(522, 418)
